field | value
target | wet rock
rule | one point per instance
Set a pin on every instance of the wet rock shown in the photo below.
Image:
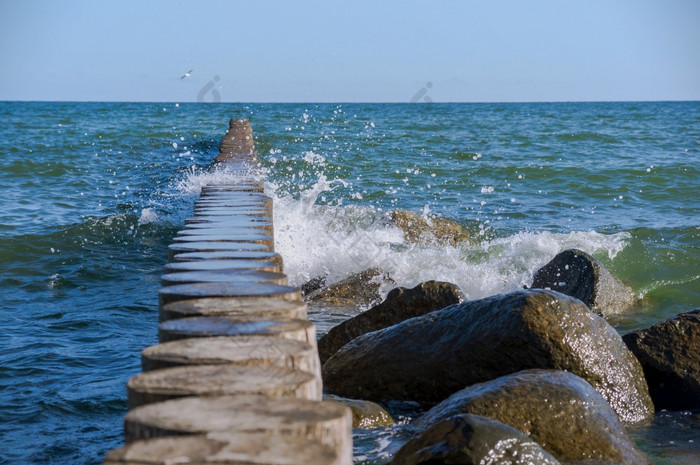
(312, 285)
(429, 357)
(437, 230)
(557, 409)
(365, 414)
(400, 304)
(669, 352)
(578, 274)
(472, 440)
(359, 289)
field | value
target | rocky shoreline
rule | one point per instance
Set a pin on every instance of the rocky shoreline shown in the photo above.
(534, 376)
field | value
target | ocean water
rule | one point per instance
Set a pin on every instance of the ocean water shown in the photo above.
(92, 194)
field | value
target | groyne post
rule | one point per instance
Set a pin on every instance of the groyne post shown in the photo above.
(236, 376)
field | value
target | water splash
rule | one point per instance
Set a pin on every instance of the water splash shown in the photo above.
(195, 178)
(148, 215)
(335, 241)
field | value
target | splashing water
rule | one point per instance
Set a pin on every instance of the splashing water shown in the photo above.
(335, 241)
(148, 215)
(195, 178)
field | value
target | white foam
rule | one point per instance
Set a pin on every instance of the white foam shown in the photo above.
(148, 215)
(196, 178)
(335, 241)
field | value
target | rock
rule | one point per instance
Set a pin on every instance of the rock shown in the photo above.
(312, 285)
(557, 409)
(365, 414)
(400, 304)
(575, 273)
(435, 230)
(472, 440)
(358, 289)
(669, 352)
(429, 357)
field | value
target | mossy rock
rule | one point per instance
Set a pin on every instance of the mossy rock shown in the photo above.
(358, 289)
(432, 230)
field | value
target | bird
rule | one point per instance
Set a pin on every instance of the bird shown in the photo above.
(187, 74)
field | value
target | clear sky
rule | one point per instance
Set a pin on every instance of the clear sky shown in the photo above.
(350, 51)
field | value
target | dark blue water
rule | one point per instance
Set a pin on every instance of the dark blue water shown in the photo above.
(92, 194)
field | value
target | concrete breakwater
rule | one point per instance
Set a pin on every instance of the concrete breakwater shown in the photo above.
(236, 377)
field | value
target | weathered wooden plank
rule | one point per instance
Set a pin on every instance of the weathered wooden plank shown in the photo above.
(222, 265)
(227, 448)
(216, 380)
(208, 326)
(271, 308)
(327, 422)
(198, 290)
(248, 350)
(231, 276)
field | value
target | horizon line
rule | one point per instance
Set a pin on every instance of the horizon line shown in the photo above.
(295, 102)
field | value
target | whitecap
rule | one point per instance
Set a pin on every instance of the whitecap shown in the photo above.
(148, 215)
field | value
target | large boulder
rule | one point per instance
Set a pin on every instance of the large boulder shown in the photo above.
(557, 409)
(358, 289)
(433, 230)
(400, 304)
(472, 440)
(578, 274)
(669, 352)
(429, 357)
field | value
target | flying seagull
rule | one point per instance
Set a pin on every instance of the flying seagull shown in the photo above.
(187, 74)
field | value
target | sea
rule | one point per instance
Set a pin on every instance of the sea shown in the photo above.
(91, 195)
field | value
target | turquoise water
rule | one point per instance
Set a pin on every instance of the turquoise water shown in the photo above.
(92, 194)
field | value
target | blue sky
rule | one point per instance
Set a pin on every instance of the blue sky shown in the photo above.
(359, 51)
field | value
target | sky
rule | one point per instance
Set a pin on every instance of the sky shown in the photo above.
(350, 51)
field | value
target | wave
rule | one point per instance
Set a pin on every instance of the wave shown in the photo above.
(588, 136)
(335, 241)
(26, 168)
(118, 229)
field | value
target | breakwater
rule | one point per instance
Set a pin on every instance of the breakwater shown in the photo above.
(236, 376)
(81, 273)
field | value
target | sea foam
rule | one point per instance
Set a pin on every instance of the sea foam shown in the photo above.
(335, 241)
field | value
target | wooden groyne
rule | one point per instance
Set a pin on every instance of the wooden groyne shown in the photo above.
(236, 377)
